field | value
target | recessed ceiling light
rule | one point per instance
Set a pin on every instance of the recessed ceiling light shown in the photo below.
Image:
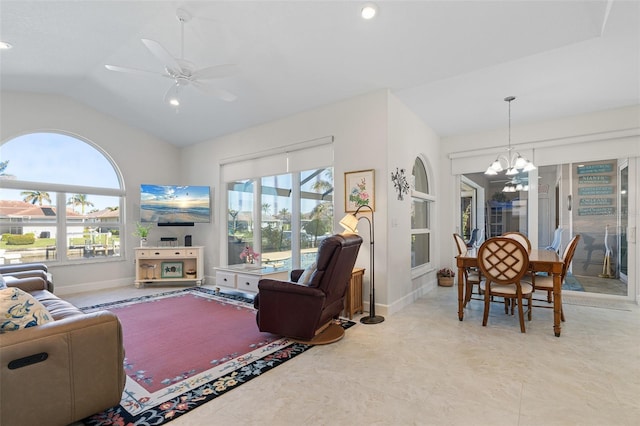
(368, 11)
(5, 45)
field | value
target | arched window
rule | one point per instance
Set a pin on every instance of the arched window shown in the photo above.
(421, 213)
(61, 199)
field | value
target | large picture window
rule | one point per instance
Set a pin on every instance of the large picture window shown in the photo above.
(283, 217)
(45, 215)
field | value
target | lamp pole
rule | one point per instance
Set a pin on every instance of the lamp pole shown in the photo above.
(372, 318)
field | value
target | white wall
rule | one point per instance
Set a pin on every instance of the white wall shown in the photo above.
(373, 131)
(140, 157)
(409, 137)
(359, 128)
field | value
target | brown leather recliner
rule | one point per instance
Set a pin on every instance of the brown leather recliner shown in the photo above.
(300, 311)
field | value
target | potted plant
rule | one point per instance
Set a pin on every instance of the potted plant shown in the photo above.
(142, 231)
(445, 277)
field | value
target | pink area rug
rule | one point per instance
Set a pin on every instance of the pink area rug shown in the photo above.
(185, 348)
(163, 335)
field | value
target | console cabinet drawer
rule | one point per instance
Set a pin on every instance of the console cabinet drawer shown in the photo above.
(168, 253)
(248, 283)
(165, 253)
(226, 279)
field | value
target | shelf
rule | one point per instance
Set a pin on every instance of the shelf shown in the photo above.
(149, 262)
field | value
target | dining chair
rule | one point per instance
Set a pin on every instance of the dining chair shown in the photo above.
(557, 240)
(521, 238)
(471, 275)
(503, 262)
(529, 276)
(473, 238)
(545, 283)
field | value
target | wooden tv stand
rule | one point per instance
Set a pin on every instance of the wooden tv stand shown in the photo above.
(169, 264)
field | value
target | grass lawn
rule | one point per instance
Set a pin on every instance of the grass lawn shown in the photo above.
(39, 243)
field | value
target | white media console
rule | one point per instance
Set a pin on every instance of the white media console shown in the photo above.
(169, 264)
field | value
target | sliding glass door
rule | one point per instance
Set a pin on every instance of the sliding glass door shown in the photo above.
(623, 220)
(590, 199)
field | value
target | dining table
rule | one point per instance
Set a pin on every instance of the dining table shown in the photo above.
(540, 260)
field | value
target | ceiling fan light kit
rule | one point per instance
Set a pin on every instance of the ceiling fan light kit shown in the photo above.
(182, 72)
(512, 162)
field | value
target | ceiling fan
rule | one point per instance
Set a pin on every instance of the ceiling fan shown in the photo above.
(181, 71)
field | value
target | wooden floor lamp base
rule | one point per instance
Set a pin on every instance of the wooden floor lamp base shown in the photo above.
(330, 334)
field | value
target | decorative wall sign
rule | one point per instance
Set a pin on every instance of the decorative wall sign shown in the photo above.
(594, 179)
(597, 211)
(595, 183)
(359, 190)
(400, 183)
(595, 168)
(596, 201)
(596, 190)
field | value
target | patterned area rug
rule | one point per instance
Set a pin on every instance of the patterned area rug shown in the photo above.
(185, 348)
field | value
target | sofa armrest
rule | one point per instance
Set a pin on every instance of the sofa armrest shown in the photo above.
(78, 360)
(27, 284)
(22, 267)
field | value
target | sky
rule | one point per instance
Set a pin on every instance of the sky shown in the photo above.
(55, 158)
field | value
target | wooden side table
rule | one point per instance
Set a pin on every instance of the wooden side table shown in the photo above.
(353, 298)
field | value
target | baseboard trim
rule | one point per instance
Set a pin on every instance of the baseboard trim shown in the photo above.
(61, 290)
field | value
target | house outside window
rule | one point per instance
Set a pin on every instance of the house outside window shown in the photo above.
(61, 200)
(421, 213)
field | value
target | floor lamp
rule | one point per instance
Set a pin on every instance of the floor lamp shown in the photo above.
(350, 224)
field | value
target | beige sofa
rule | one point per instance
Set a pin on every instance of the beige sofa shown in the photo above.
(63, 371)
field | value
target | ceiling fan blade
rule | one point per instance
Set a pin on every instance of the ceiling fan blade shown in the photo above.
(217, 71)
(219, 93)
(161, 53)
(132, 70)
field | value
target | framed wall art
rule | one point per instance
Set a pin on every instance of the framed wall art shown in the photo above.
(359, 190)
(171, 270)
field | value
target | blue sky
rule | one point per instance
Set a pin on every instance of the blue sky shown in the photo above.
(58, 158)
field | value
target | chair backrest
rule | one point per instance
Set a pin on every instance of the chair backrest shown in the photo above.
(557, 239)
(335, 261)
(567, 256)
(503, 260)
(519, 237)
(460, 244)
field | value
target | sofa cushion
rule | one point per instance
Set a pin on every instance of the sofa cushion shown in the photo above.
(58, 308)
(3, 284)
(18, 310)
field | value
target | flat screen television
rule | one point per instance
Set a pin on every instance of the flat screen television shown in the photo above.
(175, 204)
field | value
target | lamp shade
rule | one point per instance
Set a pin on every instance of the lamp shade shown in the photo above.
(350, 223)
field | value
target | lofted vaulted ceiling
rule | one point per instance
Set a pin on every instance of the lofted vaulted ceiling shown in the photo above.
(452, 62)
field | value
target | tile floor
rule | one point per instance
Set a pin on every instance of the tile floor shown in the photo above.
(424, 367)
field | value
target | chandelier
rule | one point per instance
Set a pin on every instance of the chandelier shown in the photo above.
(512, 162)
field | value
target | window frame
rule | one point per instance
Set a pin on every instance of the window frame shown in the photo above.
(62, 193)
(295, 223)
(430, 201)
